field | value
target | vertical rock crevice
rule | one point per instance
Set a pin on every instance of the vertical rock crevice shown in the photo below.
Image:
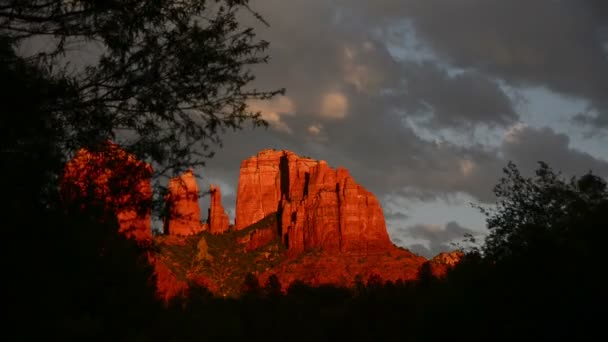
(318, 207)
(306, 182)
(284, 177)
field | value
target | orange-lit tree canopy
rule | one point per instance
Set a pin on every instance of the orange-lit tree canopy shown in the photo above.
(111, 179)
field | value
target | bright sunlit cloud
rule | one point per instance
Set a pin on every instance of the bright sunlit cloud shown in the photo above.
(315, 129)
(334, 106)
(466, 167)
(273, 110)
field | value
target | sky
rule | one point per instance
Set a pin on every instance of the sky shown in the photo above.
(425, 101)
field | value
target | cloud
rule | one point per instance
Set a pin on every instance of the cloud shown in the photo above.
(395, 215)
(273, 110)
(436, 239)
(466, 167)
(359, 68)
(457, 101)
(451, 231)
(315, 129)
(334, 105)
(556, 44)
(527, 145)
(429, 251)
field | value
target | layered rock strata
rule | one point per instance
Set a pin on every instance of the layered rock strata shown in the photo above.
(318, 207)
(184, 213)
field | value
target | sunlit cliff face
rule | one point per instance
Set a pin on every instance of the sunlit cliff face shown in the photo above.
(296, 218)
(184, 216)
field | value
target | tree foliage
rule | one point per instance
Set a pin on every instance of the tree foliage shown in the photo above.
(163, 78)
(545, 213)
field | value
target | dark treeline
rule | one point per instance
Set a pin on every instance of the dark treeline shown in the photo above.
(70, 275)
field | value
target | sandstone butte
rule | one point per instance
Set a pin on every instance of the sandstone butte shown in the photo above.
(184, 214)
(302, 219)
(218, 220)
(330, 224)
(319, 207)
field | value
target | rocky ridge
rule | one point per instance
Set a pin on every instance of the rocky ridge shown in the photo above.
(184, 214)
(296, 218)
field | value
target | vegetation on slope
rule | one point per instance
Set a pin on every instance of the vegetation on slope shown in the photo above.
(226, 262)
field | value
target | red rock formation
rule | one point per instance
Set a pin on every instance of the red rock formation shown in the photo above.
(258, 238)
(319, 206)
(218, 219)
(448, 258)
(333, 228)
(264, 179)
(111, 178)
(335, 214)
(442, 262)
(184, 216)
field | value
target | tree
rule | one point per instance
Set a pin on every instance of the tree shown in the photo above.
(545, 213)
(251, 285)
(542, 263)
(272, 288)
(165, 79)
(30, 139)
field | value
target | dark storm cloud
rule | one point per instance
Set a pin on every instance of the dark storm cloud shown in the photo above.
(527, 146)
(459, 101)
(317, 46)
(324, 51)
(561, 45)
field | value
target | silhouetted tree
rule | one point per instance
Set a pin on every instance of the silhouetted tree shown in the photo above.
(272, 288)
(425, 275)
(30, 135)
(545, 211)
(359, 286)
(251, 285)
(540, 267)
(164, 78)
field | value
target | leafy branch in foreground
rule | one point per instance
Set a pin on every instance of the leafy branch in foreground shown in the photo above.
(163, 78)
